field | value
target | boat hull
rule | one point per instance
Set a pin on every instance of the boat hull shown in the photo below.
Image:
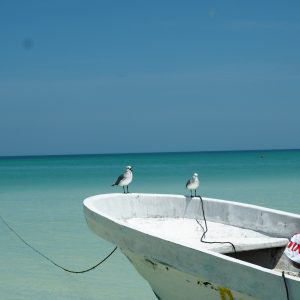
(177, 272)
(169, 283)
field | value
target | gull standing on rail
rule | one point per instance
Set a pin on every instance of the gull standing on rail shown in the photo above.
(124, 179)
(193, 184)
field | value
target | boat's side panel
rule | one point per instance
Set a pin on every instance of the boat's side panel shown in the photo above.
(170, 284)
(271, 222)
(142, 205)
(238, 276)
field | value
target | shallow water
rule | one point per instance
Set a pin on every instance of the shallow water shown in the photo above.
(41, 198)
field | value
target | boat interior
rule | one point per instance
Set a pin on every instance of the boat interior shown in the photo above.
(240, 243)
(250, 233)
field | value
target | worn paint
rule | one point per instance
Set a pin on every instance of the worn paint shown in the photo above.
(225, 294)
(153, 264)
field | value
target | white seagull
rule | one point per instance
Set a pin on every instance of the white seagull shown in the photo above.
(124, 179)
(193, 184)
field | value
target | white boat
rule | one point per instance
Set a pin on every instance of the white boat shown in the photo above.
(161, 235)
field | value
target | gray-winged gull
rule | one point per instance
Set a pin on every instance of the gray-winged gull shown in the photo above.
(125, 179)
(193, 184)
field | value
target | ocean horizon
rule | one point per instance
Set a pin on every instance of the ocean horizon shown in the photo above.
(41, 198)
(154, 152)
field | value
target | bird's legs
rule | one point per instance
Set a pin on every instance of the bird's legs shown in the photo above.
(127, 189)
(195, 193)
(191, 193)
(124, 190)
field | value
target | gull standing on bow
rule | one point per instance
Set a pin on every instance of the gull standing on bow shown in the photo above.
(193, 184)
(124, 179)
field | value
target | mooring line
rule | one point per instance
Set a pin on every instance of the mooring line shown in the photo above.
(286, 287)
(49, 259)
(206, 230)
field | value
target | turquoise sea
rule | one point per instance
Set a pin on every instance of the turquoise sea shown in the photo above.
(41, 198)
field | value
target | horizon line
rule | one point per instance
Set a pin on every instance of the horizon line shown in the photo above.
(154, 152)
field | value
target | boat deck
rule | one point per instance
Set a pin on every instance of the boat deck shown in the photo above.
(188, 232)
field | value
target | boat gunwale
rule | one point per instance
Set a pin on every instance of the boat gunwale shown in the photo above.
(87, 202)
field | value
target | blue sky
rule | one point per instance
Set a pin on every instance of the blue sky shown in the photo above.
(142, 76)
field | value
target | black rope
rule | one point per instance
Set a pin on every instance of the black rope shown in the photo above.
(206, 230)
(49, 259)
(286, 287)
